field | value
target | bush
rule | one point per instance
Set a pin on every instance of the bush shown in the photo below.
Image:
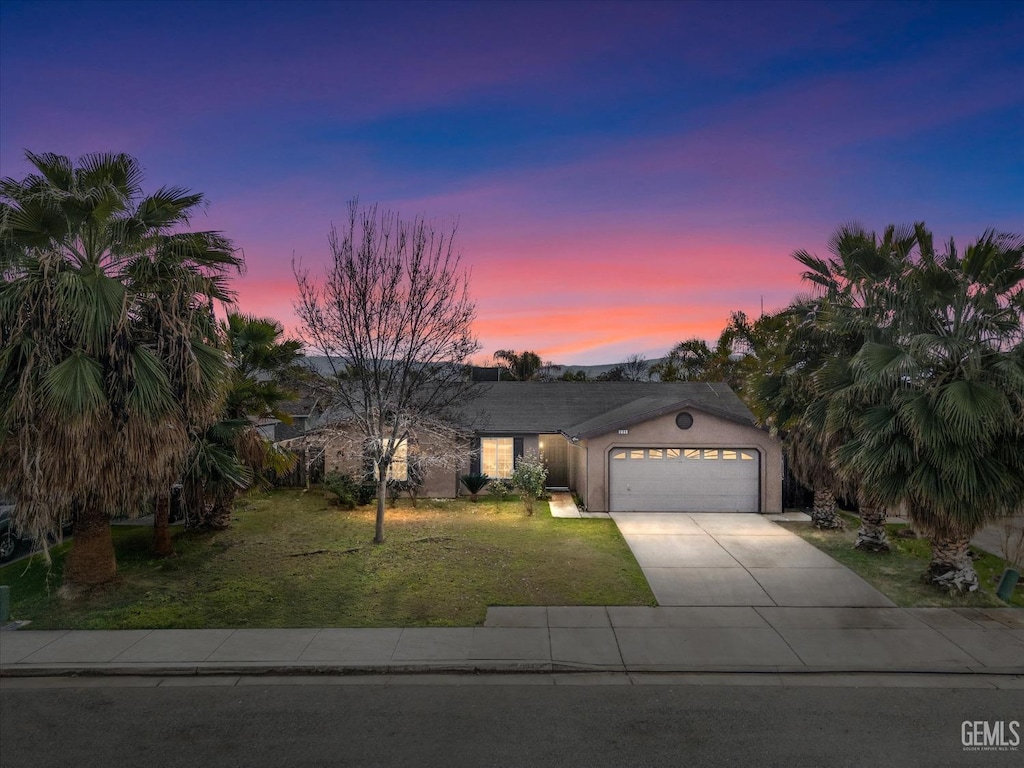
(350, 491)
(474, 483)
(500, 489)
(529, 477)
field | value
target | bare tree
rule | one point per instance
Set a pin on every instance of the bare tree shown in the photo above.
(394, 318)
(636, 368)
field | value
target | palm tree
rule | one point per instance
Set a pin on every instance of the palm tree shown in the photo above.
(855, 298)
(688, 360)
(264, 367)
(106, 364)
(935, 401)
(782, 392)
(523, 366)
(230, 455)
(694, 360)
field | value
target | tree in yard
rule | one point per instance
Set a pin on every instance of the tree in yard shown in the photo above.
(934, 397)
(394, 317)
(107, 356)
(265, 368)
(856, 292)
(231, 455)
(529, 478)
(782, 391)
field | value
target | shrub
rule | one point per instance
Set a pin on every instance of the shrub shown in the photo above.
(500, 488)
(350, 491)
(529, 478)
(474, 483)
(578, 501)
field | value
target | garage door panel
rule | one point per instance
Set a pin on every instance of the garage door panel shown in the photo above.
(684, 480)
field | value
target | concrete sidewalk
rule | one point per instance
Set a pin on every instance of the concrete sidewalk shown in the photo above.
(767, 639)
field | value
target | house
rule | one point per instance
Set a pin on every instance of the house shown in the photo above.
(634, 446)
(621, 446)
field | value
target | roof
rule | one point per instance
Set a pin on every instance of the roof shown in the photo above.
(589, 408)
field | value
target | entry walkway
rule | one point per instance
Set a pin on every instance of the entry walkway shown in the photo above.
(737, 559)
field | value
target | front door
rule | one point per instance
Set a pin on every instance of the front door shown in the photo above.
(555, 452)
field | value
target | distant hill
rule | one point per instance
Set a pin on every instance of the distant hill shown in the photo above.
(485, 373)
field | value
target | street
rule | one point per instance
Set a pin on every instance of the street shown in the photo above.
(511, 721)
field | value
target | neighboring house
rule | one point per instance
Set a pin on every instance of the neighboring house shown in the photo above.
(303, 412)
(622, 446)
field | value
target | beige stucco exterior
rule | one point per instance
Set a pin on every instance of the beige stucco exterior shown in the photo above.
(588, 458)
(708, 431)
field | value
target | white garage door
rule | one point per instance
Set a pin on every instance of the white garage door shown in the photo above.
(684, 480)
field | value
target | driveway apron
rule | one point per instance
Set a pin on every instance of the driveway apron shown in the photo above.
(737, 559)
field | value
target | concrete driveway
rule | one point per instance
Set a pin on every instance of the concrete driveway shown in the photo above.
(736, 559)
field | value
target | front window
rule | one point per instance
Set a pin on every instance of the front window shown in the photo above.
(497, 459)
(399, 469)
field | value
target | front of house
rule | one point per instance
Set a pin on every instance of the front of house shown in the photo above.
(633, 446)
(621, 446)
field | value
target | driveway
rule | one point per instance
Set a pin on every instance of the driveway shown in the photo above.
(730, 559)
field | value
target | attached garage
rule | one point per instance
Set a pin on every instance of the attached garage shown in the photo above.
(682, 479)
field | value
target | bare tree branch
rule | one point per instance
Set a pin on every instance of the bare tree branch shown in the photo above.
(393, 316)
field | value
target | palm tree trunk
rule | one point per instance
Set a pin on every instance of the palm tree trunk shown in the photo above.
(162, 546)
(220, 514)
(826, 511)
(382, 492)
(872, 535)
(92, 559)
(951, 566)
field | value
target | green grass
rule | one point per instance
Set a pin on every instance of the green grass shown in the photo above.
(898, 574)
(292, 560)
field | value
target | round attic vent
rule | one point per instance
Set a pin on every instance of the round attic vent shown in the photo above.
(684, 420)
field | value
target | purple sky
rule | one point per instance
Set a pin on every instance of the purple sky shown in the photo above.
(623, 175)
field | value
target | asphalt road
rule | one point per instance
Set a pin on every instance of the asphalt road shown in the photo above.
(259, 725)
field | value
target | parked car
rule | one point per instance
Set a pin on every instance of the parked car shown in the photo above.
(10, 541)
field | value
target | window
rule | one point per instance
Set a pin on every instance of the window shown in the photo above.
(746, 456)
(497, 459)
(618, 454)
(654, 453)
(692, 453)
(636, 454)
(710, 455)
(728, 455)
(399, 469)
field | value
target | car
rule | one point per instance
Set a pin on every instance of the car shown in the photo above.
(10, 540)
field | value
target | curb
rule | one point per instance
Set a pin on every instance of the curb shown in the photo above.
(257, 669)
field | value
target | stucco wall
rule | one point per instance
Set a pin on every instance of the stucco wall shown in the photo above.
(578, 469)
(708, 431)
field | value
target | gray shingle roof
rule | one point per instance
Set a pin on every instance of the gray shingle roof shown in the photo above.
(589, 408)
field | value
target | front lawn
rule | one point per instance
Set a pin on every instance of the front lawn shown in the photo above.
(897, 575)
(293, 560)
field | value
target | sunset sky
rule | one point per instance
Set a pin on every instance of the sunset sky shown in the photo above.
(623, 175)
